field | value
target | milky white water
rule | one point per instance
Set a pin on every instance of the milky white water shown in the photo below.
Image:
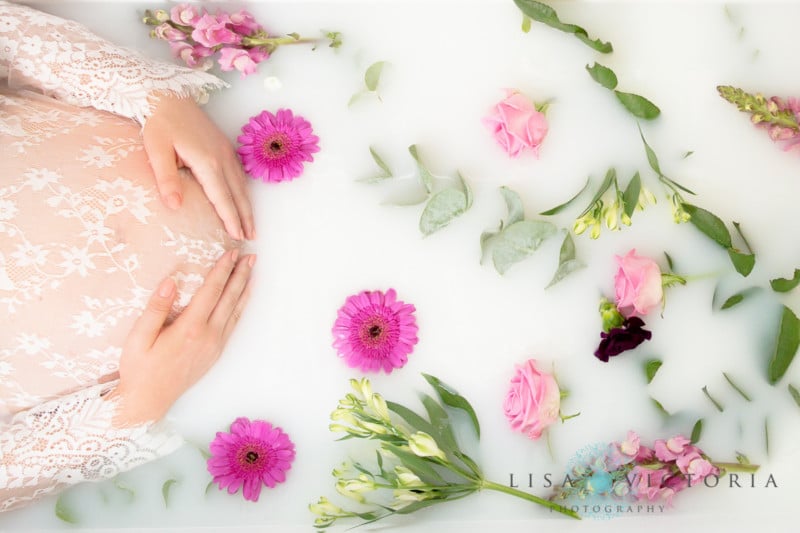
(324, 236)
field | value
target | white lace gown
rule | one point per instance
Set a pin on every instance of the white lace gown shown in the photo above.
(84, 239)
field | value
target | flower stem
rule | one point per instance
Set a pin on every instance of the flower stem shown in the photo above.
(737, 467)
(530, 497)
(275, 41)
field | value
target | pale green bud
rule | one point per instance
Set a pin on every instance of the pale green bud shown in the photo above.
(354, 488)
(407, 478)
(356, 432)
(405, 496)
(611, 316)
(579, 226)
(340, 472)
(377, 429)
(324, 508)
(324, 521)
(625, 219)
(423, 445)
(378, 404)
(362, 388)
(595, 234)
(345, 416)
(610, 216)
(161, 15)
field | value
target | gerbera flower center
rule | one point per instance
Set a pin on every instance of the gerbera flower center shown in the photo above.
(374, 331)
(276, 146)
(251, 457)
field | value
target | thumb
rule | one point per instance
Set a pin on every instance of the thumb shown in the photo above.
(168, 180)
(147, 328)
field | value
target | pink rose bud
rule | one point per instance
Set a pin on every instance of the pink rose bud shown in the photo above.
(243, 22)
(638, 284)
(533, 400)
(516, 124)
(236, 58)
(169, 33)
(184, 14)
(211, 32)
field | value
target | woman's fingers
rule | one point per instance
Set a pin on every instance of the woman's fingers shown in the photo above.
(237, 183)
(147, 328)
(165, 168)
(232, 293)
(206, 298)
(214, 184)
(236, 314)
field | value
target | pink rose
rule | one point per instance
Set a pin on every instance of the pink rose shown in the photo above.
(211, 32)
(533, 400)
(193, 56)
(237, 58)
(168, 33)
(184, 14)
(516, 124)
(638, 284)
(243, 22)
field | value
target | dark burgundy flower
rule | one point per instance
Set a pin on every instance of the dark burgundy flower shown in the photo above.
(622, 339)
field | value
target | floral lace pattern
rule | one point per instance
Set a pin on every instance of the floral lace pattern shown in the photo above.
(84, 240)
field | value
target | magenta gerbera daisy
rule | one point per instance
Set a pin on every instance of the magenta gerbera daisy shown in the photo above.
(274, 147)
(251, 454)
(375, 331)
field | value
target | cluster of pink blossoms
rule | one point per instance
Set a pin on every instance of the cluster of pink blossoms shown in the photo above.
(788, 137)
(195, 35)
(659, 473)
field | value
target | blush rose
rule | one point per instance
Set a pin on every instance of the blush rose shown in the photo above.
(533, 400)
(517, 125)
(637, 284)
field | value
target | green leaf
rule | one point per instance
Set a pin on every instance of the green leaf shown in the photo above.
(718, 405)
(736, 387)
(660, 407)
(416, 506)
(486, 238)
(441, 209)
(785, 347)
(795, 394)
(669, 261)
(733, 300)
(373, 75)
(697, 431)
(519, 241)
(651, 367)
(766, 435)
(208, 487)
(469, 462)
(452, 398)
(125, 488)
(611, 177)
(516, 211)
(63, 512)
(638, 106)
(784, 284)
(738, 228)
(547, 15)
(652, 158)
(423, 468)
(557, 209)
(416, 422)
(743, 263)
(355, 98)
(465, 187)
(603, 75)
(631, 195)
(441, 422)
(387, 173)
(710, 224)
(424, 174)
(567, 263)
(687, 154)
(165, 490)
(526, 24)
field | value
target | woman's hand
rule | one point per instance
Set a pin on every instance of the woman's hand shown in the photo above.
(177, 134)
(159, 363)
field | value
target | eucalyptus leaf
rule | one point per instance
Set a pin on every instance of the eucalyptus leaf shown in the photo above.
(466, 188)
(743, 263)
(631, 195)
(784, 284)
(424, 174)
(165, 490)
(697, 431)
(486, 238)
(638, 106)
(519, 241)
(355, 98)
(547, 15)
(452, 398)
(373, 75)
(557, 209)
(63, 512)
(785, 347)
(567, 263)
(611, 177)
(441, 209)
(516, 211)
(795, 394)
(603, 75)
(387, 172)
(651, 368)
(710, 224)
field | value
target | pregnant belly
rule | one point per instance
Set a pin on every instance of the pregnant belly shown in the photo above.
(84, 240)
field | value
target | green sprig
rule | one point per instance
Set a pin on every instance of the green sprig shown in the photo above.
(761, 110)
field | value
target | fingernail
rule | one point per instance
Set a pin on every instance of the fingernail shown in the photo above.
(235, 254)
(252, 260)
(166, 288)
(173, 200)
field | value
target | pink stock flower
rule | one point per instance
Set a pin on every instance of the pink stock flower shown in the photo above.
(695, 467)
(193, 56)
(252, 454)
(210, 31)
(375, 331)
(243, 22)
(169, 33)
(516, 124)
(274, 147)
(671, 449)
(630, 446)
(184, 14)
(648, 482)
(533, 400)
(637, 284)
(237, 58)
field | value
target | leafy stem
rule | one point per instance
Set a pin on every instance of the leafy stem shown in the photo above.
(489, 485)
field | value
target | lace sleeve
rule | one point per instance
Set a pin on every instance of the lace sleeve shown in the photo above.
(71, 440)
(65, 60)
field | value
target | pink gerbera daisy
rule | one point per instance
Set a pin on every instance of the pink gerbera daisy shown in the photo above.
(375, 331)
(251, 454)
(274, 147)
